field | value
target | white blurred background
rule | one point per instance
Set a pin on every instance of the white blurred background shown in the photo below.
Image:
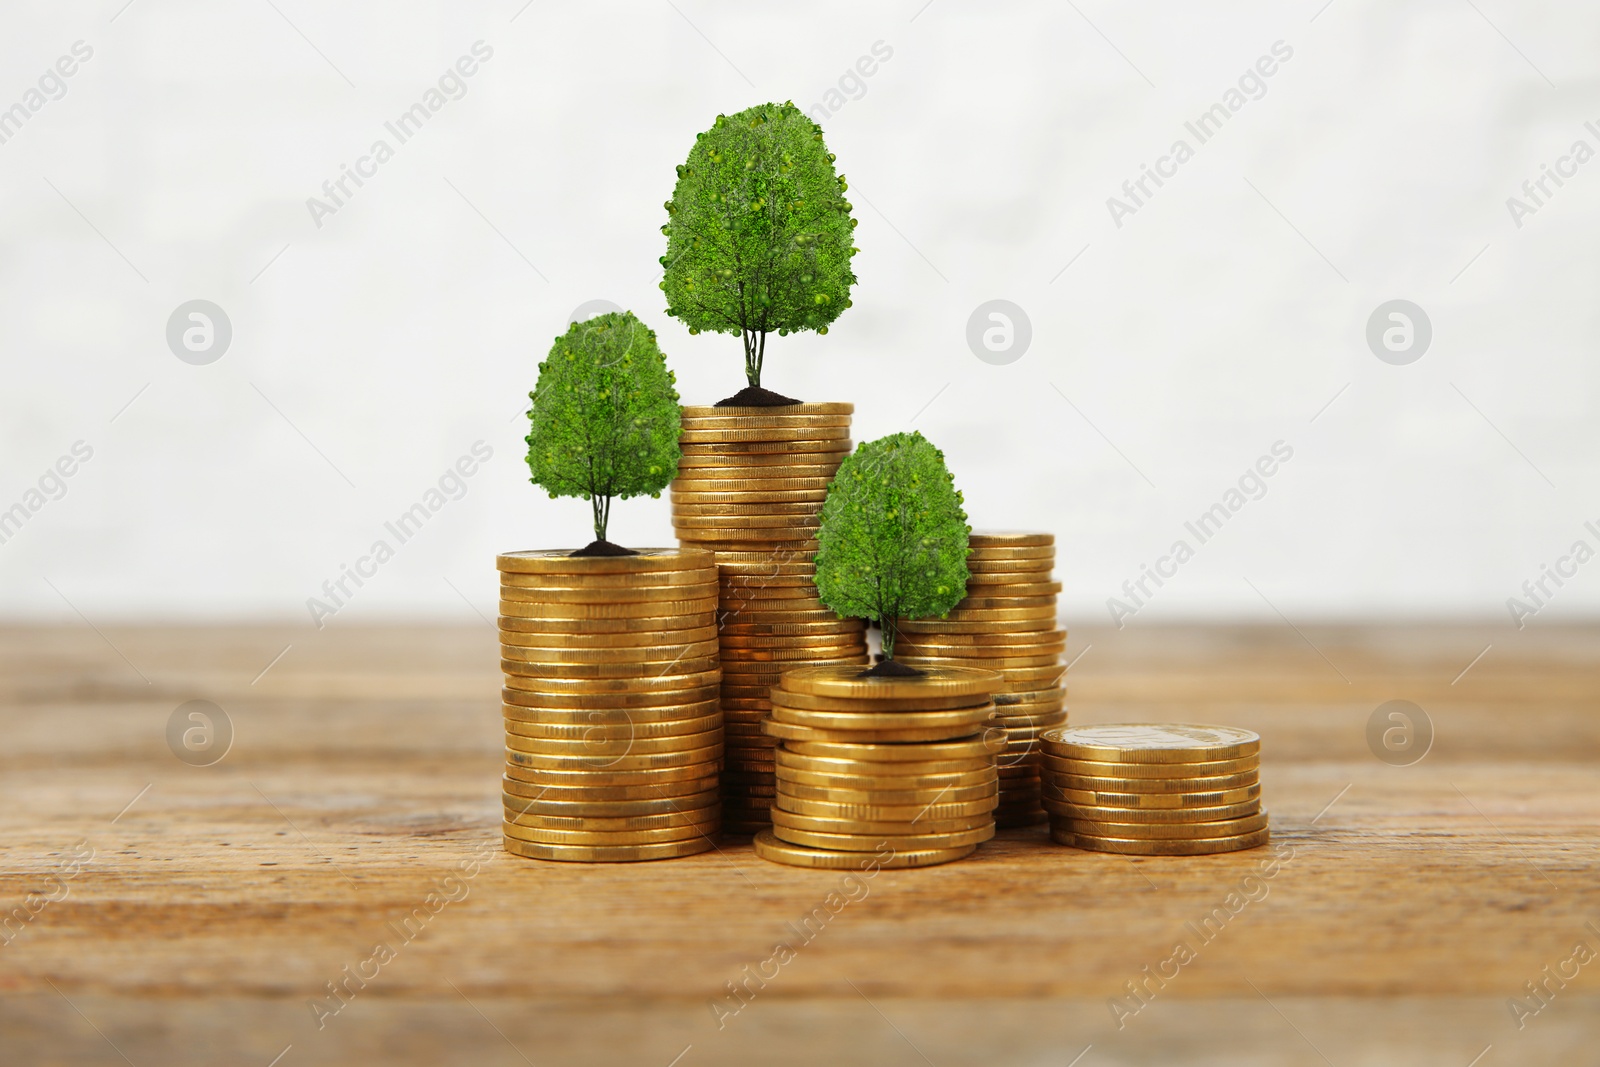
(1228, 312)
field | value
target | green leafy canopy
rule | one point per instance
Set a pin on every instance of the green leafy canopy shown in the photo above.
(758, 231)
(605, 417)
(893, 542)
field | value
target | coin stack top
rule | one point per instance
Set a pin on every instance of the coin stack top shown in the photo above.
(613, 734)
(1007, 624)
(1154, 789)
(750, 488)
(881, 771)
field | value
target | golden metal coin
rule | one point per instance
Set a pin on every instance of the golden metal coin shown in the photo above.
(1214, 799)
(605, 748)
(702, 481)
(796, 410)
(607, 853)
(1213, 783)
(586, 647)
(1093, 813)
(600, 784)
(846, 683)
(660, 683)
(977, 620)
(704, 814)
(721, 420)
(883, 857)
(604, 732)
(764, 434)
(970, 719)
(655, 581)
(777, 512)
(926, 702)
(1205, 846)
(661, 594)
(655, 789)
(963, 645)
(938, 751)
(1026, 565)
(690, 805)
(765, 523)
(597, 629)
(1152, 743)
(666, 612)
(1165, 771)
(866, 781)
(742, 449)
(1169, 831)
(914, 814)
(545, 561)
(608, 707)
(891, 797)
(603, 671)
(1009, 539)
(855, 765)
(758, 463)
(793, 732)
(734, 535)
(582, 764)
(914, 657)
(548, 836)
(1014, 590)
(661, 653)
(830, 825)
(989, 636)
(763, 496)
(869, 842)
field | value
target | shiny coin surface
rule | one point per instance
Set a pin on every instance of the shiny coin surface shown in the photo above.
(795, 732)
(875, 704)
(870, 842)
(599, 629)
(1203, 846)
(1152, 743)
(602, 784)
(919, 658)
(624, 595)
(973, 748)
(936, 682)
(655, 583)
(970, 720)
(607, 853)
(1092, 813)
(824, 825)
(650, 806)
(655, 609)
(986, 637)
(542, 729)
(883, 857)
(1214, 799)
(898, 782)
(1155, 785)
(598, 710)
(895, 813)
(707, 813)
(516, 668)
(660, 683)
(579, 763)
(564, 562)
(893, 797)
(548, 835)
(999, 539)
(1168, 771)
(1166, 831)
(607, 748)
(883, 768)
(601, 648)
(796, 410)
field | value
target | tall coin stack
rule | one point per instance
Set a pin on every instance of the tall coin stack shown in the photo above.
(892, 772)
(613, 735)
(1154, 789)
(1006, 624)
(750, 488)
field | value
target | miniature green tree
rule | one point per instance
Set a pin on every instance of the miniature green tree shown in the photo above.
(605, 418)
(758, 235)
(893, 542)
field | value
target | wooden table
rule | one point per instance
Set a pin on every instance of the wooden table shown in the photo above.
(199, 912)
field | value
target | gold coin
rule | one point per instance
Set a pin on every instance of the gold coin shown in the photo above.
(771, 523)
(868, 842)
(855, 765)
(892, 797)
(977, 564)
(757, 463)
(964, 645)
(760, 496)
(699, 482)
(983, 638)
(1212, 783)
(1013, 590)
(822, 639)
(937, 682)
(599, 629)
(826, 825)
(776, 512)
(659, 683)
(579, 763)
(1215, 799)
(1169, 831)
(754, 573)
(768, 847)
(548, 836)
(607, 853)
(661, 594)
(1205, 846)
(813, 446)
(666, 612)
(628, 730)
(660, 654)
(722, 420)
(643, 706)
(1009, 539)
(604, 671)
(804, 579)
(798, 550)
(594, 647)
(742, 614)
(592, 782)
(970, 720)
(914, 814)
(1004, 602)
(689, 805)
(793, 732)
(1092, 813)
(676, 788)
(1152, 743)
(656, 582)
(984, 619)
(926, 702)
(564, 562)
(864, 783)
(733, 535)
(773, 594)
(604, 748)
(799, 409)
(1015, 630)
(971, 748)
(1160, 771)
(707, 813)
(919, 658)
(766, 435)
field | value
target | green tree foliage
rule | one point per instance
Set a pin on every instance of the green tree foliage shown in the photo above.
(758, 231)
(893, 543)
(605, 415)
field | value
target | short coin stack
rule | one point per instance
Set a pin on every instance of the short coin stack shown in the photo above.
(1154, 789)
(613, 735)
(1006, 624)
(891, 771)
(750, 488)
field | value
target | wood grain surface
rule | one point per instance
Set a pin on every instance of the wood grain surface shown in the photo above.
(172, 914)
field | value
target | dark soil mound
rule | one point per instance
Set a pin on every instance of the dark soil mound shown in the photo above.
(753, 396)
(888, 668)
(604, 548)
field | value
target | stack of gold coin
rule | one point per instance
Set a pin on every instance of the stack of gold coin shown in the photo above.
(613, 734)
(891, 771)
(1006, 624)
(1154, 789)
(750, 488)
